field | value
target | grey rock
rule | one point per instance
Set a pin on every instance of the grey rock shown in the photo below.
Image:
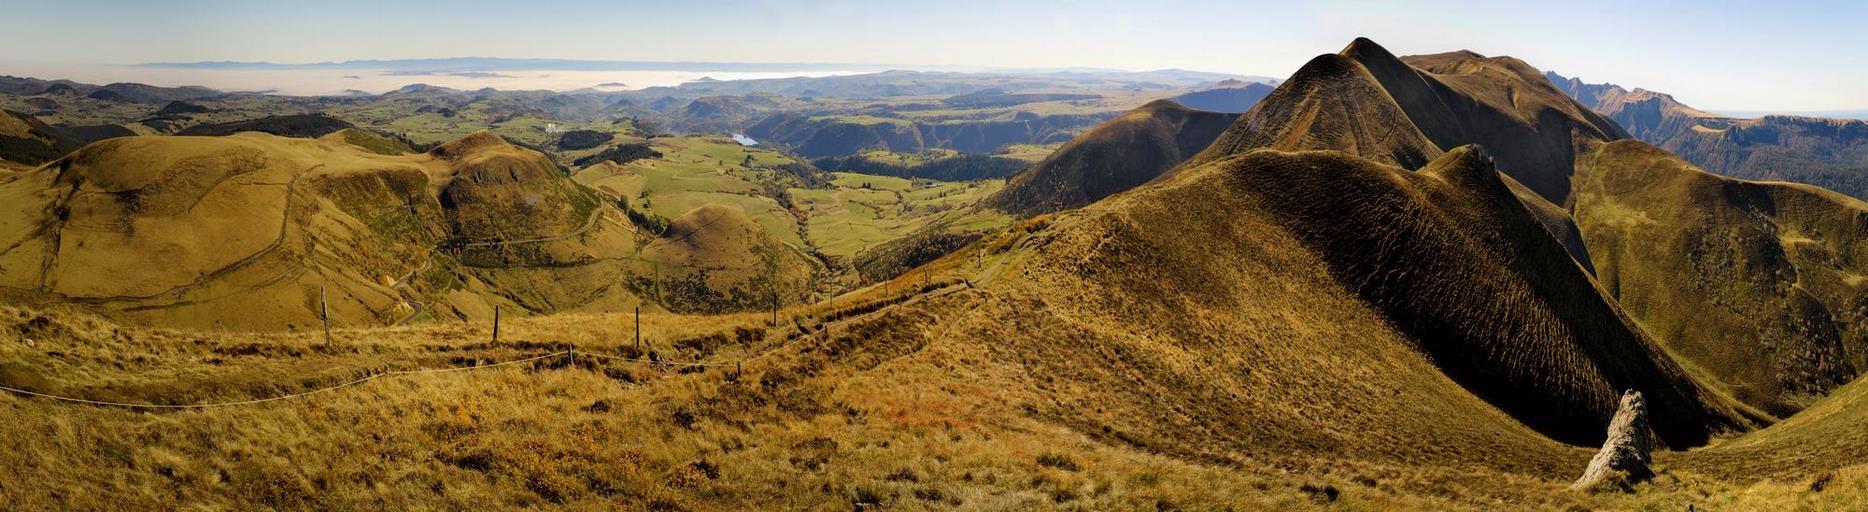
(1624, 458)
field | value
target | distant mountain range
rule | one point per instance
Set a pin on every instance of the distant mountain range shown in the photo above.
(1828, 152)
(494, 63)
(459, 64)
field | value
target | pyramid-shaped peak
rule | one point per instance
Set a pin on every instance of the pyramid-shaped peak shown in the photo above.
(1363, 47)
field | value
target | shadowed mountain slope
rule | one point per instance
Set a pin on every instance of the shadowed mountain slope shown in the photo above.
(25, 139)
(309, 126)
(1526, 317)
(1332, 103)
(1501, 103)
(1118, 155)
(831, 136)
(1760, 286)
(1270, 303)
(1368, 102)
(1757, 306)
(1365, 102)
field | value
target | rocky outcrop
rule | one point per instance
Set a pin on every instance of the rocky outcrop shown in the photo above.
(1624, 458)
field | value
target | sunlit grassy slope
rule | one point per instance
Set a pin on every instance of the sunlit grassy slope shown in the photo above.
(1757, 285)
(248, 231)
(1135, 354)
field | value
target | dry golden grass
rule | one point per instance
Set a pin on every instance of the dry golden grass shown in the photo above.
(1253, 383)
(1261, 331)
(890, 409)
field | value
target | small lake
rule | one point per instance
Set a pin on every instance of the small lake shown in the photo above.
(743, 140)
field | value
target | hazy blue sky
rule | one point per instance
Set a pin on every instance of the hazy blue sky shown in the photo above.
(1712, 54)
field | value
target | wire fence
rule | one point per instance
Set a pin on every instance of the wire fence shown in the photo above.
(361, 380)
(570, 353)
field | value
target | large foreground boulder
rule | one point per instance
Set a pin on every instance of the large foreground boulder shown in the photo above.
(1624, 458)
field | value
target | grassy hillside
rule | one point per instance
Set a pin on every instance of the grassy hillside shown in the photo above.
(1332, 103)
(1715, 270)
(716, 259)
(1367, 101)
(1825, 439)
(244, 231)
(373, 142)
(1186, 333)
(1756, 285)
(861, 212)
(1117, 155)
(26, 140)
(699, 171)
(1473, 235)
(1344, 304)
(838, 215)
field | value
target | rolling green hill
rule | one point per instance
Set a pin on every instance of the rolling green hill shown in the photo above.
(243, 231)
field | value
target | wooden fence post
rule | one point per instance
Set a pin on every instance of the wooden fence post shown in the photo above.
(496, 324)
(324, 313)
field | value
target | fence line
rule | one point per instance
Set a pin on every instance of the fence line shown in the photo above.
(571, 353)
(653, 361)
(361, 380)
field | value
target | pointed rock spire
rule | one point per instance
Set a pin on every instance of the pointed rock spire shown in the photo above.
(1624, 458)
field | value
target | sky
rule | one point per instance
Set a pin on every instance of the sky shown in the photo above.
(1753, 56)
